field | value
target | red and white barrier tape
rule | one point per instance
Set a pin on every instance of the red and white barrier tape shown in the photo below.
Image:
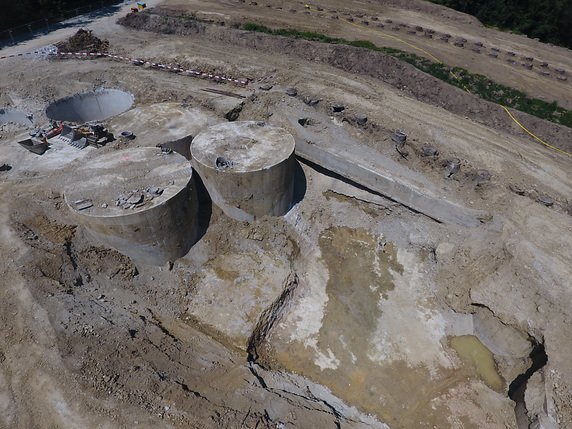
(191, 72)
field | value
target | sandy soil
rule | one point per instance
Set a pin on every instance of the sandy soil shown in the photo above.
(411, 13)
(323, 309)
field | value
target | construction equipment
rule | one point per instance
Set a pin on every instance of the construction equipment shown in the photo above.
(85, 135)
(56, 129)
(34, 145)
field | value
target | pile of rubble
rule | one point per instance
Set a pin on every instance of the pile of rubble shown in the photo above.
(83, 41)
(137, 198)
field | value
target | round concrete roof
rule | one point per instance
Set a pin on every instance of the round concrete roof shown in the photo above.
(160, 123)
(248, 145)
(128, 181)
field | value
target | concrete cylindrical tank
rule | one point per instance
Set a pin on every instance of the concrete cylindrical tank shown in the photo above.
(247, 168)
(141, 202)
(167, 124)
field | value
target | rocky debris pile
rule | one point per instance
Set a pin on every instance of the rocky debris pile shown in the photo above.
(83, 41)
(137, 198)
(399, 137)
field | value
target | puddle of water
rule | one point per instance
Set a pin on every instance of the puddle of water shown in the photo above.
(473, 352)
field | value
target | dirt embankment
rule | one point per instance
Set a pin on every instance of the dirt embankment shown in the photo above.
(388, 69)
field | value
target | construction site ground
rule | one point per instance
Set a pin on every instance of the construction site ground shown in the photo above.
(352, 310)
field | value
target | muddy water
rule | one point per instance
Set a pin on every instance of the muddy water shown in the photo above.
(359, 278)
(474, 354)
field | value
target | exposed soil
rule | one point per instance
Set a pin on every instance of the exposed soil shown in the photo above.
(351, 310)
(396, 73)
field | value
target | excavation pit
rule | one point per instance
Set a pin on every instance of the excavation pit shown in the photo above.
(95, 105)
(141, 202)
(254, 174)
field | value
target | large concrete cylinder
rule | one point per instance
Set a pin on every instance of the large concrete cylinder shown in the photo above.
(141, 202)
(247, 168)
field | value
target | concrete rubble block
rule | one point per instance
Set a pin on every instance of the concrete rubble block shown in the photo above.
(428, 150)
(399, 137)
(539, 403)
(257, 178)
(82, 204)
(501, 339)
(482, 176)
(311, 101)
(516, 189)
(292, 92)
(361, 119)
(154, 230)
(452, 166)
(546, 200)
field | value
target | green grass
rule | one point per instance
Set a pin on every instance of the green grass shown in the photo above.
(478, 84)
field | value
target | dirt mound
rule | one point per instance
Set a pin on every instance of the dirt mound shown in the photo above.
(161, 21)
(83, 41)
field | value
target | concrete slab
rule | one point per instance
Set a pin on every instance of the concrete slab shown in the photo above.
(331, 147)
